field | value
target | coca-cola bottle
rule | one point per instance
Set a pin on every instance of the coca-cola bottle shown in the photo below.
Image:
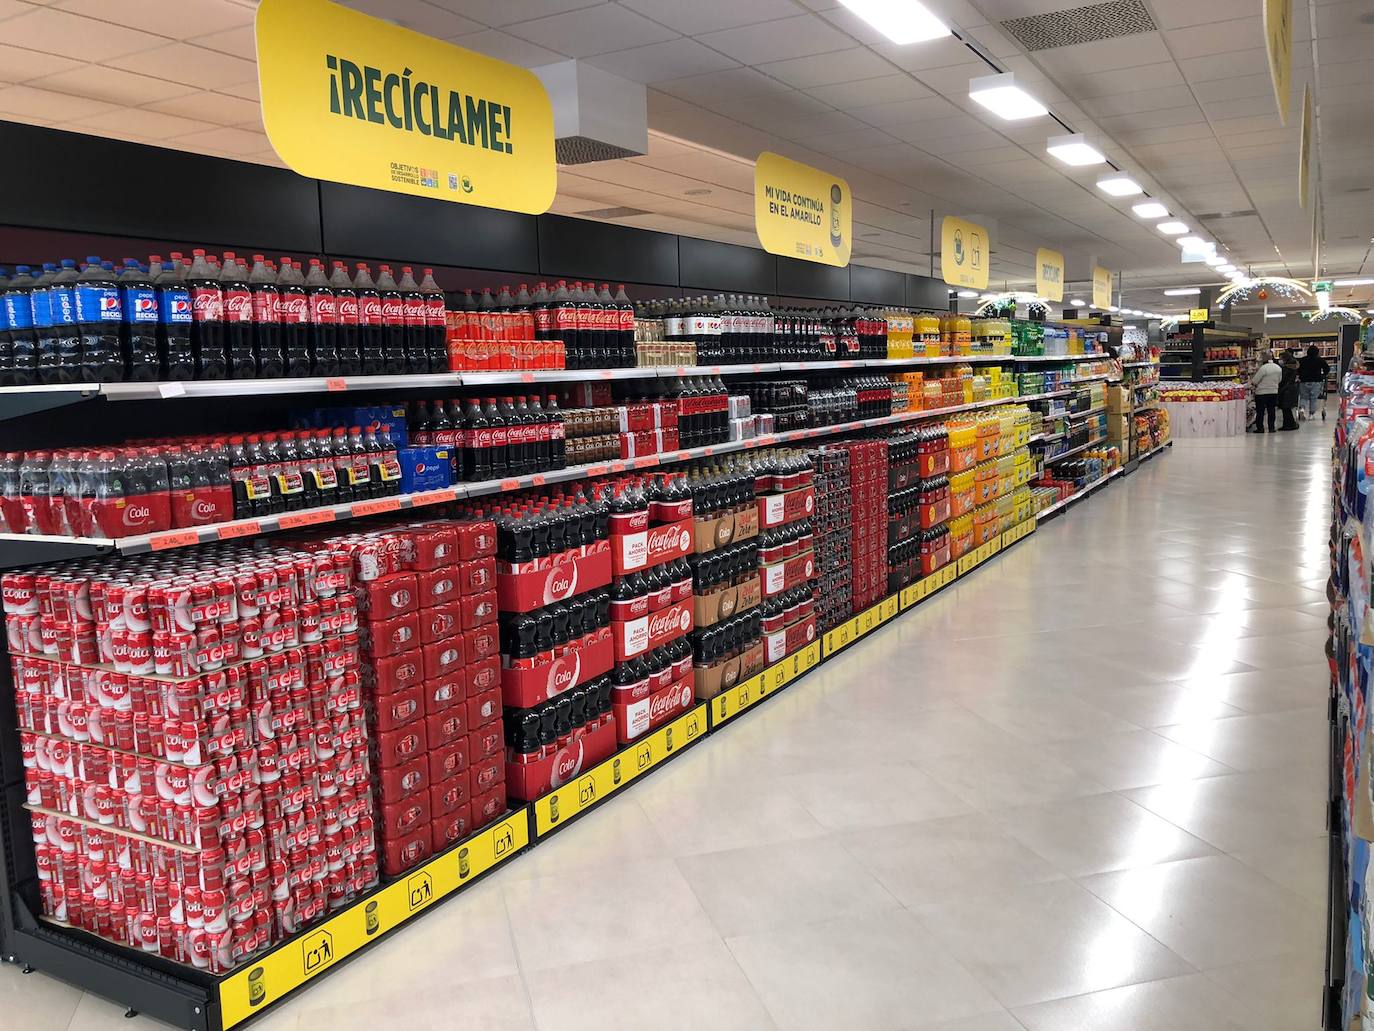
(238, 318)
(625, 325)
(207, 319)
(293, 315)
(497, 419)
(360, 469)
(558, 458)
(342, 456)
(476, 441)
(263, 302)
(370, 328)
(436, 323)
(539, 430)
(324, 322)
(565, 326)
(346, 334)
(588, 331)
(393, 323)
(413, 323)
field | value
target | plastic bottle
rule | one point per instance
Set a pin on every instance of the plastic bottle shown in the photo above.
(207, 319)
(564, 324)
(436, 323)
(413, 323)
(138, 305)
(393, 323)
(98, 317)
(346, 312)
(40, 303)
(267, 337)
(294, 317)
(21, 352)
(625, 324)
(370, 343)
(238, 319)
(174, 321)
(323, 322)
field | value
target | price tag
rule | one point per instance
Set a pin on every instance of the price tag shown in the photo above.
(373, 507)
(174, 539)
(247, 528)
(526, 377)
(334, 383)
(171, 390)
(596, 470)
(604, 374)
(537, 480)
(708, 451)
(433, 497)
(291, 520)
(617, 467)
(510, 485)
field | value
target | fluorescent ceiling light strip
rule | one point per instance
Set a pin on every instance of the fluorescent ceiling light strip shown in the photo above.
(1352, 282)
(1183, 291)
(1078, 304)
(902, 21)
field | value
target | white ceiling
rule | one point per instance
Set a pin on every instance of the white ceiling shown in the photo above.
(1188, 108)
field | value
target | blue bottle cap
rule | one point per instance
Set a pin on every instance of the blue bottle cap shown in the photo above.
(93, 259)
(69, 263)
(21, 270)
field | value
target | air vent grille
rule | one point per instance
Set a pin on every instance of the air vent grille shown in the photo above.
(583, 150)
(1081, 24)
(621, 212)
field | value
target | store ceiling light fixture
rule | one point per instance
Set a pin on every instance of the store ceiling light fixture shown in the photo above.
(1074, 149)
(1172, 228)
(1076, 303)
(1352, 282)
(1225, 268)
(1000, 95)
(1191, 242)
(1150, 209)
(1216, 261)
(968, 293)
(902, 21)
(1183, 291)
(1118, 184)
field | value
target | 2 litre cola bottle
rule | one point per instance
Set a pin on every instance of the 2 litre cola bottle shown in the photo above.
(237, 303)
(346, 316)
(138, 304)
(207, 319)
(267, 337)
(370, 344)
(98, 318)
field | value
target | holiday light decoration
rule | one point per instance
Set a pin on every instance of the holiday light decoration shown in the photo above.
(1333, 312)
(1262, 288)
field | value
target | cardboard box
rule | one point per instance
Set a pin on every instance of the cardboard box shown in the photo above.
(567, 576)
(784, 642)
(1118, 427)
(528, 781)
(785, 575)
(525, 688)
(637, 636)
(712, 532)
(710, 609)
(635, 719)
(776, 509)
(642, 548)
(1118, 399)
(712, 680)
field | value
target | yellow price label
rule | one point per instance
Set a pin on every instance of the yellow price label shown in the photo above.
(255, 987)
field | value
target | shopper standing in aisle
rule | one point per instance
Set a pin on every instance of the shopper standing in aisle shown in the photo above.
(1288, 389)
(1312, 373)
(1265, 382)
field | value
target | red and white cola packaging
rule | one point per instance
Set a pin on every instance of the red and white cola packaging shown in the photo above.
(427, 607)
(206, 812)
(868, 475)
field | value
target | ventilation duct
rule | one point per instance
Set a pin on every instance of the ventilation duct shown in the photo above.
(1081, 24)
(597, 116)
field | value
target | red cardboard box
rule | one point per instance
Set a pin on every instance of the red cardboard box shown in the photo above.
(475, 540)
(637, 636)
(478, 609)
(484, 708)
(481, 643)
(569, 576)
(394, 747)
(784, 642)
(445, 693)
(475, 575)
(783, 576)
(487, 774)
(636, 719)
(524, 688)
(451, 828)
(446, 798)
(438, 586)
(448, 761)
(651, 546)
(482, 676)
(443, 659)
(776, 509)
(404, 853)
(489, 807)
(403, 818)
(439, 622)
(397, 672)
(387, 597)
(528, 781)
(485, 742)
(443, 728)
(398, 708)
(399, 782)
(387, 637)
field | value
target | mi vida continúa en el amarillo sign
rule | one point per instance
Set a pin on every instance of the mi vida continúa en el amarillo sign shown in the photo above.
(353, 99)
(802, 212)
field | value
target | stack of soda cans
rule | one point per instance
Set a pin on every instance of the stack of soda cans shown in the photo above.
(834, 603)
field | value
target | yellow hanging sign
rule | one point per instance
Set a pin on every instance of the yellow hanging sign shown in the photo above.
(802, 212)
(1102, 288)
(964, 253)
(1278, 40)
(1305, 145)
(1049, 274)
(1198, 314)
(353, 99)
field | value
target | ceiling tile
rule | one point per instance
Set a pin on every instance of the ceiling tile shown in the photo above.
(212, 107)
(1173, 14)
(672, 59)
(595, 30)
(422, 17)
(151, 125)
(246, 90)
(239, 42)
(57, 32)
(498, 13)
(505, 47)
(1235, 62)
(45, 104)
(841, 66)
(843, 142)
(1152, 119)
(226, 140)
(782, 40)
(20, 65)
(1141, 100)
(194, 66)
(906, 112)
(886, 89)
(1108, 54)
(1216, 38)
(701, 16)
(822, 123)
(118, 87)
(175, 21)
(737, 83)
(1128, 80)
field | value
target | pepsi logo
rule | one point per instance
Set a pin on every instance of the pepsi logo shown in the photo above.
(145, 305)
(179, 306)
(109, 303)
(420, 467)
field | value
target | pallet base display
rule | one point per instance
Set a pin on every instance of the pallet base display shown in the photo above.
(204, 1003)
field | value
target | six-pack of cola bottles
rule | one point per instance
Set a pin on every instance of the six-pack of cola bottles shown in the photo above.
(203, 318)
(596, 327)
(740, 329)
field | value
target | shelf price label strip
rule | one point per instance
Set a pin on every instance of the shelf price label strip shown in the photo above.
(257, 985)
(864, 623)
(605, 779)
(748, 693)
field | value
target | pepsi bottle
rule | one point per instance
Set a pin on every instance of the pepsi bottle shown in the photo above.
(173, 321)
(98, 319)
(40, 303)
(21, 357)
(138, 326)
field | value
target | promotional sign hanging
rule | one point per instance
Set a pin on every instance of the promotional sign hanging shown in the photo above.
(964, 257)
(1049, 274)
(1198, 315)
(1102, 288)
(1278, 40)
(1305, 145)
(802, 212)
(353, 99)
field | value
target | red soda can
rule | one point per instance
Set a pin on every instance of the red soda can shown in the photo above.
(19, 593)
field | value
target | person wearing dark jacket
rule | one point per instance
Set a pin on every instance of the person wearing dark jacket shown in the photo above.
(1288, 389)
(1312, 373)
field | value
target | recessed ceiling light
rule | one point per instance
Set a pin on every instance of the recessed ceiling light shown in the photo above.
(1074, 149)
(1216, 260)
(1078, 304)
(1150, 209)
(1351, 282)
(1227, 267)
(1190, 241)
(1274, 315)
(1136, 311)
(1172, 228)
(1183, 291)
(902, 21)
(1000, 95)
(968, 293)
(1119, 184)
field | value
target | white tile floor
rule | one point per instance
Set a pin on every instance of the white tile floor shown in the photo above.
(1081, 791)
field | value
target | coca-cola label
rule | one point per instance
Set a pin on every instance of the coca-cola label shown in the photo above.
(265, 306)
(565, 319)
(347, 310)
(413, 311)
(370, 311)
(290, 481)
(435, 312)
(321, 307)
(543, 320)
(293, 309)
(238, 305)
(207, 304)
(392, 310)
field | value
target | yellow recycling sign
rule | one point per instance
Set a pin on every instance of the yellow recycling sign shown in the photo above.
(802, 212)
(353, 99)
(964, 253)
